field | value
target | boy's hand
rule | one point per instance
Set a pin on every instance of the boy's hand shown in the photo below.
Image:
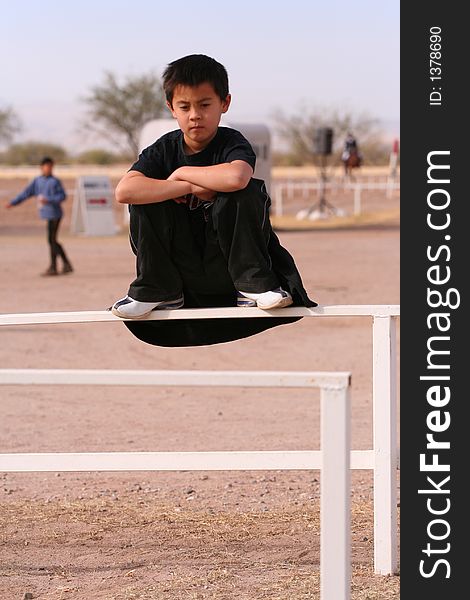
(199, 191)
(174, 176)
(8, 205)
(42, 200)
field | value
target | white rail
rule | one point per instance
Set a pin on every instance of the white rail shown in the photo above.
(383, 459)
(98, 316)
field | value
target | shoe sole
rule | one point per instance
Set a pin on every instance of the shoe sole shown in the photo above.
(282, 303)
(116, 312)
(174, 306)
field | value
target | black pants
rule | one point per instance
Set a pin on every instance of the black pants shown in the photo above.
(213, 250)
(55, 248)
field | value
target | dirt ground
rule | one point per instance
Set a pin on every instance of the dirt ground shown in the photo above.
(185, 535)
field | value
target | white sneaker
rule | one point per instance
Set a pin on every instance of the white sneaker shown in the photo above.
(277, 298)
(128, 308)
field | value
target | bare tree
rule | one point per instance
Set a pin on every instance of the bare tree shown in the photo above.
(9, 124)
(118, 112)
(298, 130)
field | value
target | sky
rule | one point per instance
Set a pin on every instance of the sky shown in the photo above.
(280, 55)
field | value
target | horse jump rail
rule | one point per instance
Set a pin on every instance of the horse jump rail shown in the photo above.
(333, 459)
(104, 316)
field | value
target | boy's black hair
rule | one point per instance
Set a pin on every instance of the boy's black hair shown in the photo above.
(47, 160)
(193, 70)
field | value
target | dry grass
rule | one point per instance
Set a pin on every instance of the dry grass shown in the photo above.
(122, 550)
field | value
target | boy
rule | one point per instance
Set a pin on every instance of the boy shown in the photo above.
(199, 223)
(50, 194)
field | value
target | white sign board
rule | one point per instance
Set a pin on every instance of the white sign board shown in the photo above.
(93, 206)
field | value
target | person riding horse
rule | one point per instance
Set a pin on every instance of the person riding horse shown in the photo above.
(351, 156)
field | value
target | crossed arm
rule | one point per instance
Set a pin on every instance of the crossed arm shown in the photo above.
(204, 182)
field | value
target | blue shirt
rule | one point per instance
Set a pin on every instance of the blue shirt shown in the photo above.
(51, 188)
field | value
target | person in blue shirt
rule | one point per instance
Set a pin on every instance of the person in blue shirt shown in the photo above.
(50, 194)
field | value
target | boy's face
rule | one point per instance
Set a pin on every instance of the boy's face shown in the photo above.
(46, 169)
(198, 110)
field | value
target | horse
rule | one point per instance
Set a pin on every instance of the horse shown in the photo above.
(353, 161)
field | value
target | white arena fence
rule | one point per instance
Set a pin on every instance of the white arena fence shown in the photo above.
(382, 458)
(283, 191)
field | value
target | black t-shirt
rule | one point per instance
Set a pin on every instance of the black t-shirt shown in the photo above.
(167, 154)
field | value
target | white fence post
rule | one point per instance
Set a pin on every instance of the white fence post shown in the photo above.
(305, 190)
(385, 445)
(278, 199)
(357, 199)
(335, 503)
(290, 189)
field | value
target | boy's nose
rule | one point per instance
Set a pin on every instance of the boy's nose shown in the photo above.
(195, 116)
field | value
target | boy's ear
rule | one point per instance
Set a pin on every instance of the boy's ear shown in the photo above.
(170, 108)
(226, 103)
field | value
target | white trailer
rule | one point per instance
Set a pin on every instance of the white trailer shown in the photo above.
(257, 134)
